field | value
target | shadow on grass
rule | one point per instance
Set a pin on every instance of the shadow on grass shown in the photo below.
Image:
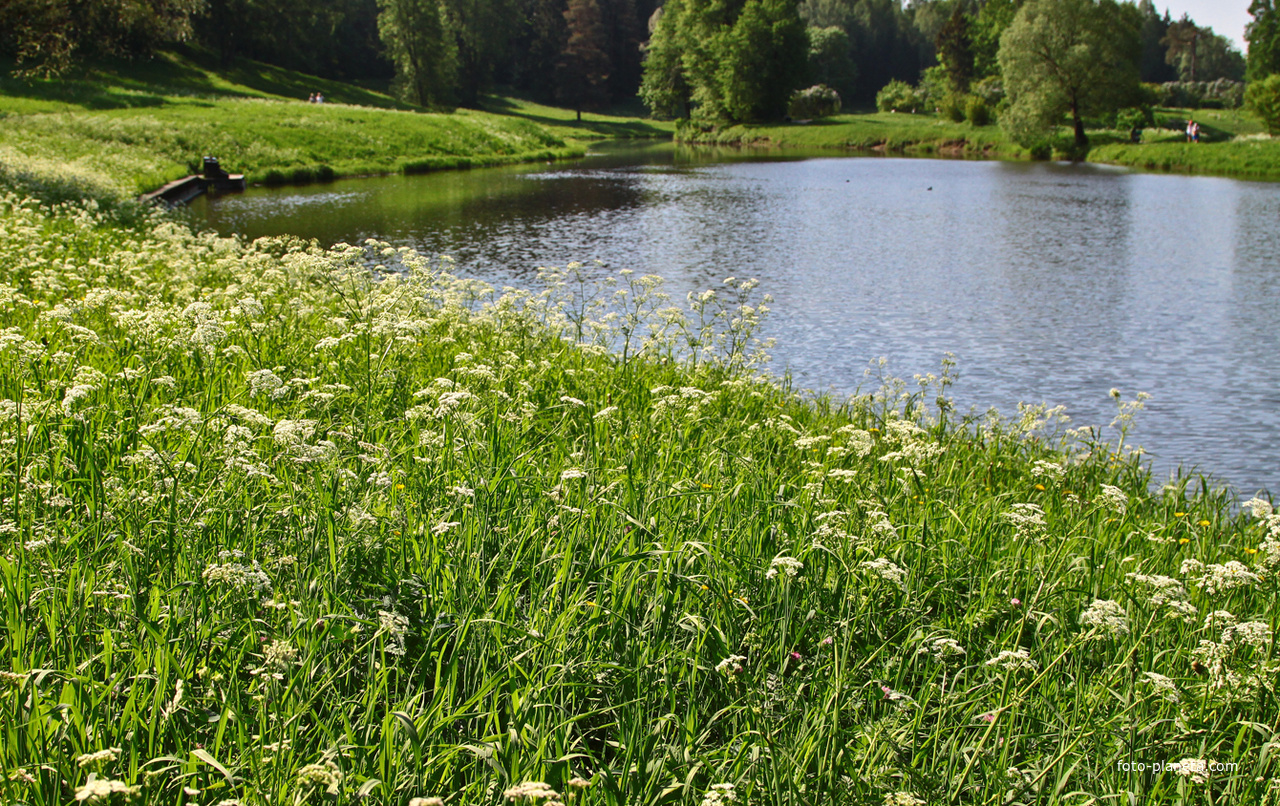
(187, 73)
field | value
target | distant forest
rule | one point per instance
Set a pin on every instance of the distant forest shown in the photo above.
(580, 53)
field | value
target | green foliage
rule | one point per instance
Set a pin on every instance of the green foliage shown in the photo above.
(955, 50)
(818, 101)
(664, 88)
(886, 42)
(725, 61)
(765, 60)
(46, 36)
(417, 36)
(976, 111)
(1220, 94)
(583, 69)
(899, 96)
(1263, 98)
(830, 62)
(951, 107)
(324, 526)
(1263, 36)
(988, 26)
(1076, 57)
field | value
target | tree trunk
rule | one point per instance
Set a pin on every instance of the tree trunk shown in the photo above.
(1082, 141)
(579, 111)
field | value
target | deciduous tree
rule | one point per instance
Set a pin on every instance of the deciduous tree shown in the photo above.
(1066, 57)
(583, 68)
(417, 38)
(1263, 36)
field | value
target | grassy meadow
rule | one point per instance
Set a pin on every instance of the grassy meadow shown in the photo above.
(290, 525)
(131, 128)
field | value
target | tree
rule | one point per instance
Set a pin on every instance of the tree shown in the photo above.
(1076, 57)
(725, 60)
(1152, 66)
(663, 87)
(1263, 97)
(1182, 40)
(766, 57)
(47, 36)
(583, 68)
(1263, 36)
(993, 18)
(417, 38)
(829, 60)
(481, 30)
(954, 44)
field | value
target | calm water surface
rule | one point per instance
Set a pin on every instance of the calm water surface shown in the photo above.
(1050, 283)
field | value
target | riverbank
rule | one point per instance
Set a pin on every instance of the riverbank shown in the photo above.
(283, 530)
(1233, 142)
(130, 128)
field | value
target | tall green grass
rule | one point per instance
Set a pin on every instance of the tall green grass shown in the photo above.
(289, 525)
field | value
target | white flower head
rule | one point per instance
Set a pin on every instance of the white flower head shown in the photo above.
(786, 565)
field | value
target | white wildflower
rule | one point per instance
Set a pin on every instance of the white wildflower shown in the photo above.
(731, 665)
(1051, 471)
(1114, 499)
(1163, 686)
(105, 755)
(1195, 769)
(1027, 519)
(886, 570)
(787, 565)
(1107, 617)
(1013, 660)
(719, 794)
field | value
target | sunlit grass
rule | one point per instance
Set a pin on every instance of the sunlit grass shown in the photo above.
(287, 525)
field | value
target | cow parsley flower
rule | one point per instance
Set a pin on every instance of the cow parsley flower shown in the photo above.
(1107, 617)
(1013, 660)
(787, 565)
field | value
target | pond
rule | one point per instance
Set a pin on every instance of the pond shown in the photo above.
(1049, 282)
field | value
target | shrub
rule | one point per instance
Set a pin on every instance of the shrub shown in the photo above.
(1221, 94)
(274, 178)
(990, 90)
(976, 111)
(951, 107)
(1263, 97)
(899, 96)
(817, 101)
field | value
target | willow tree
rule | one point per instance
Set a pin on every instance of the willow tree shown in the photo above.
(1067, 57)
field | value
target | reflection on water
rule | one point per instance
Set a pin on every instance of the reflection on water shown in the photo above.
(1049, 282)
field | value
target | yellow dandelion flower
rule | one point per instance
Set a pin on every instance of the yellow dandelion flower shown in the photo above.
(1179, 514)
(399, 486)
(1184, 541)
(1040, 487)
(1205, 523)
(1250, 551)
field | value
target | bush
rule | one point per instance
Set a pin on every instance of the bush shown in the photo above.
(274, 178)
(1221, 94)
(817, 101)
(951, 107)
(976, 111)
(990, 90)
(899, 96)
(1263, 97)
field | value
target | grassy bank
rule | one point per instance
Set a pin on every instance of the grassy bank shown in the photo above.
(884, 132)
(277, 529)
(131, 128)
(1232, 143)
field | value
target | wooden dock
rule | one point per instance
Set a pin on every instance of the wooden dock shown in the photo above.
(182, 191)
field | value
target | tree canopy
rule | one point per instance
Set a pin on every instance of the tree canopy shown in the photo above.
(1066, 57)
